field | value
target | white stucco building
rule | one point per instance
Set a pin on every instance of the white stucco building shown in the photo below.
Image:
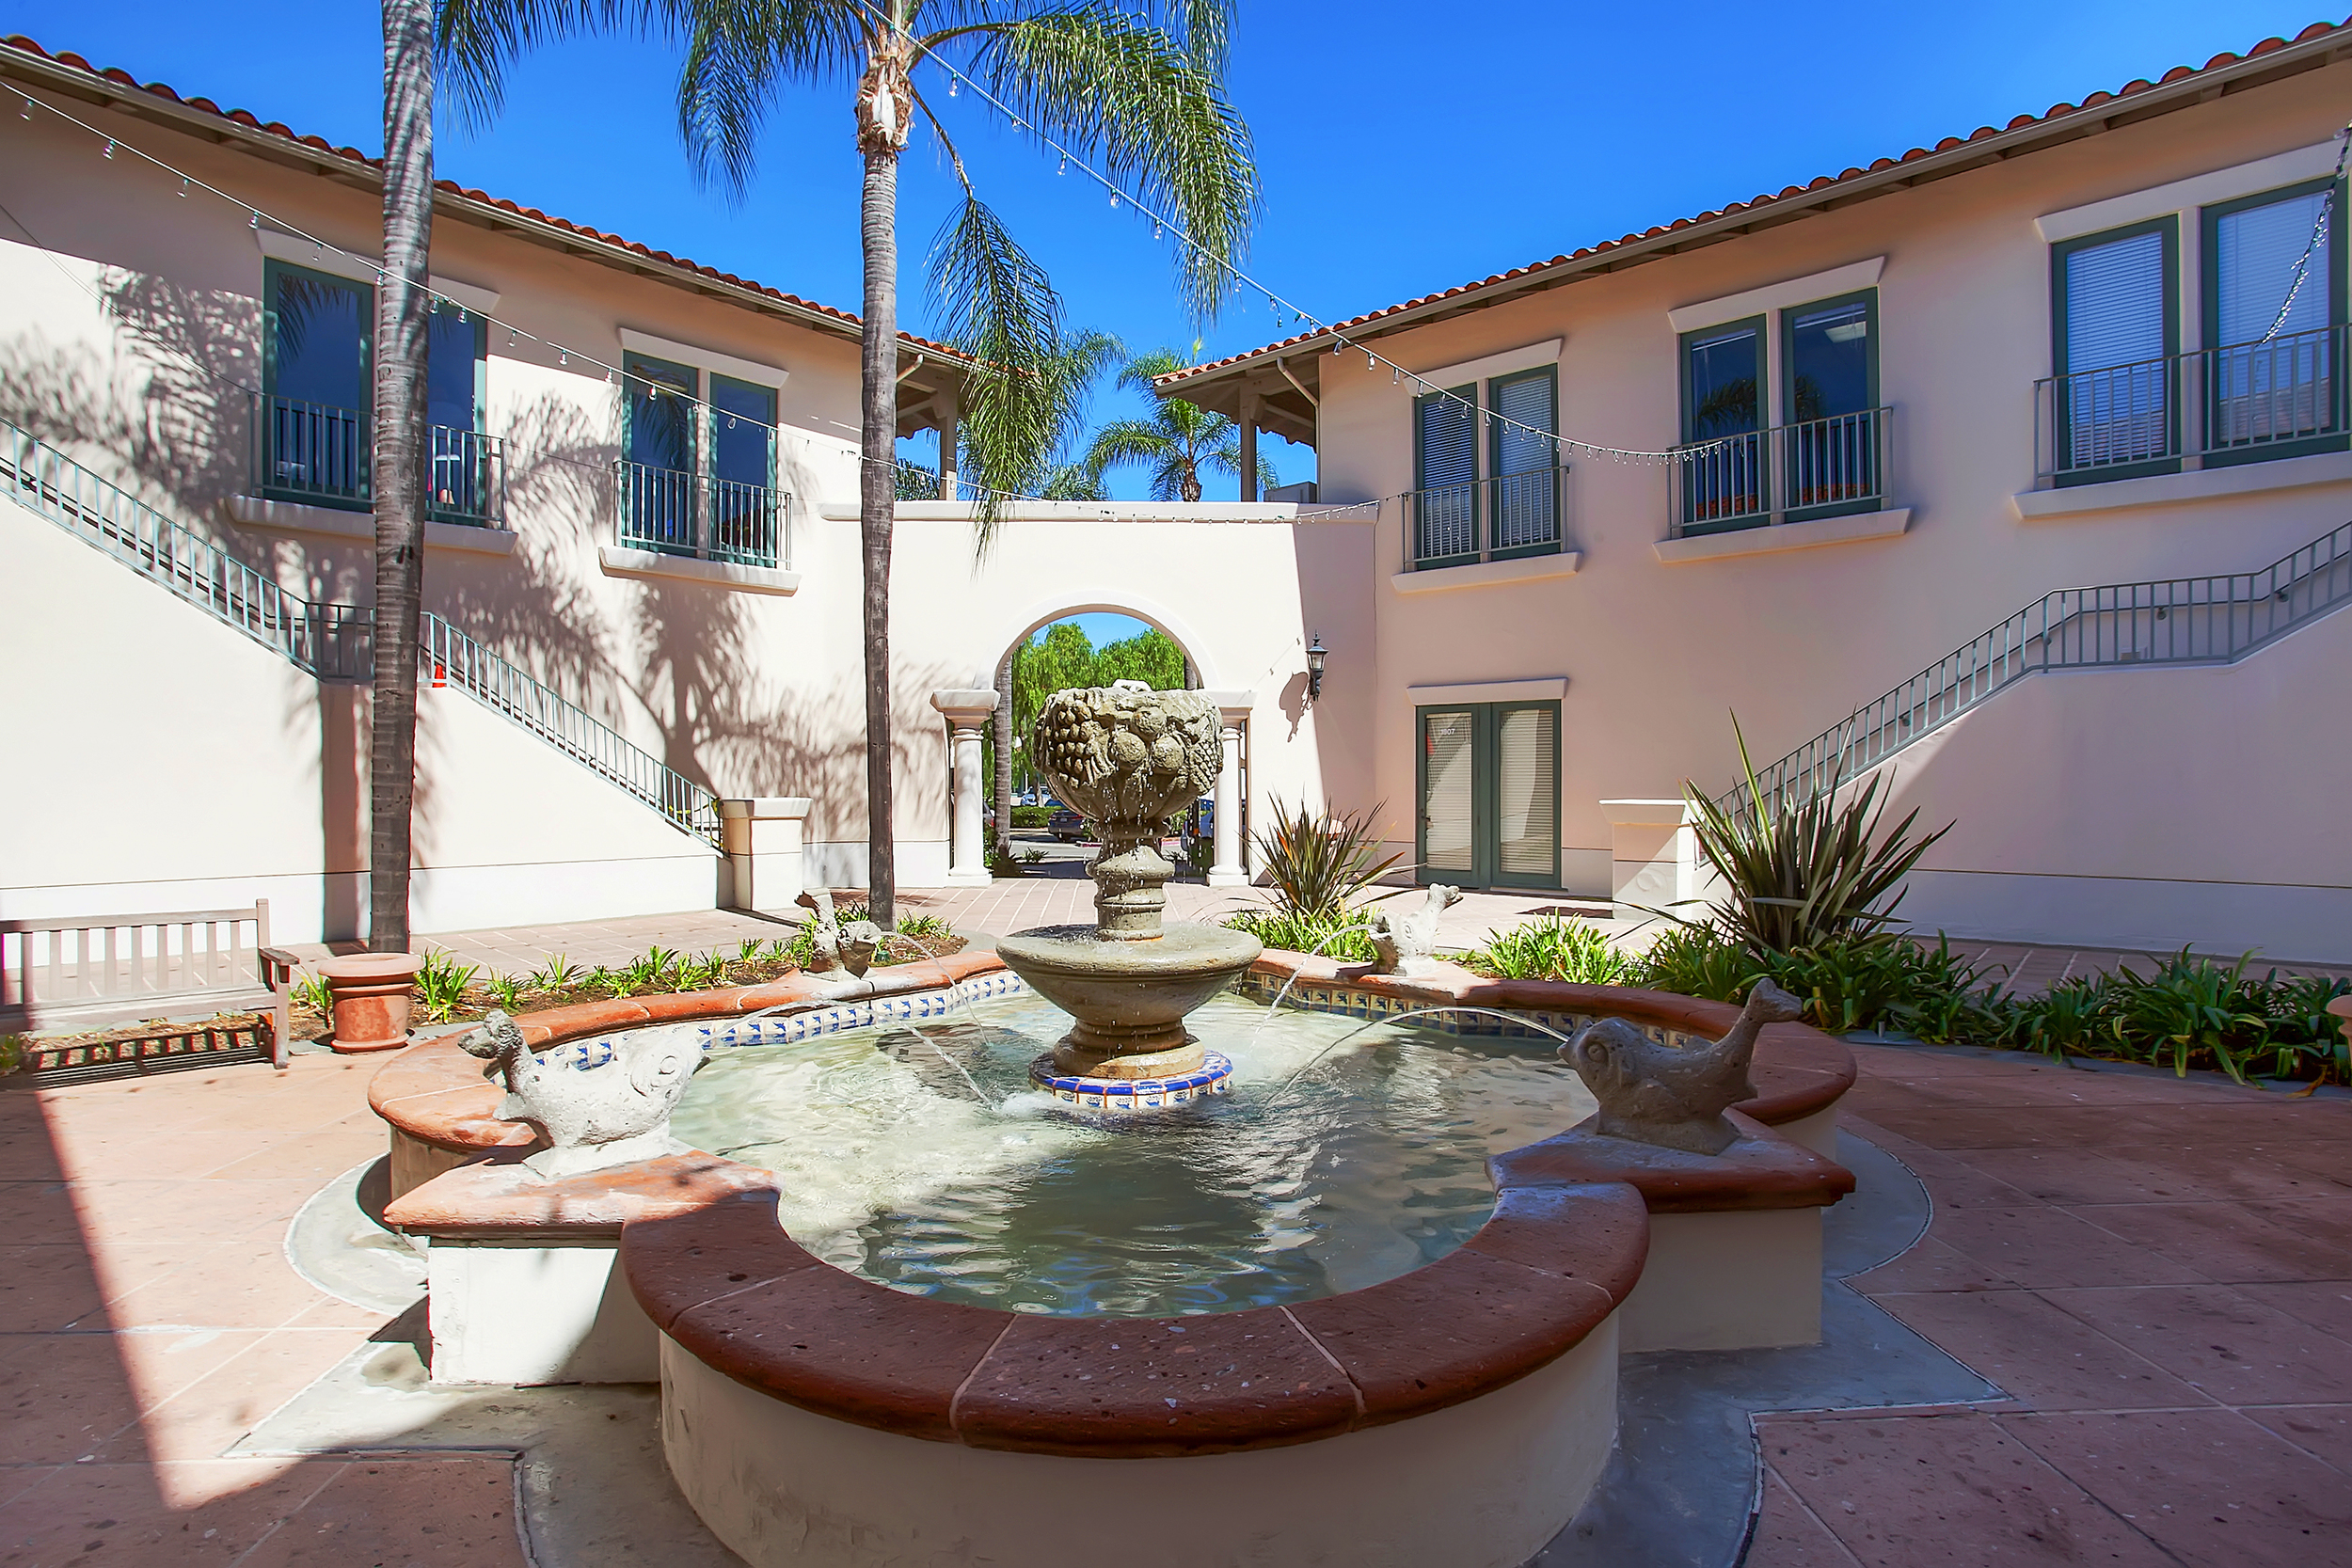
(1920, 398)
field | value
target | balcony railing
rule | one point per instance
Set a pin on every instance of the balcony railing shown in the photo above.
(677, 513)
(2207, 408)
(1789, 473)
(1490, 519)
(323, 456)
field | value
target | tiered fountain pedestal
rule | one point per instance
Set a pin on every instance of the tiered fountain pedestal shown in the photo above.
(1128, 1048)
(1125, 757)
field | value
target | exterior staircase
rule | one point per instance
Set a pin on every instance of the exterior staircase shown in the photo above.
(332, 642)
(2175, 621)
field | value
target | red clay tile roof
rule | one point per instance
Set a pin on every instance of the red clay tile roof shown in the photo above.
(2056, 112)
(124, 79)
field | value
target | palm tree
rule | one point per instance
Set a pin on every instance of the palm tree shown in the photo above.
(1178, 441)
(404, 310)
(1135, 87)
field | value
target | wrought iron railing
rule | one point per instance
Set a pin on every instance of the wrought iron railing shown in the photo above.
(2222, 405)
(453, 658)
(328, 641)
(2208, 620)
(323, 456)
(1488, 519)
(677, 513)
(333, 641)
(1788, 473)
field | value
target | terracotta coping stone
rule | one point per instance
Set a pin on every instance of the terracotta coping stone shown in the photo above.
(1798, 1069)
(728, 1285)
(500, 1198)
(1761, 1170)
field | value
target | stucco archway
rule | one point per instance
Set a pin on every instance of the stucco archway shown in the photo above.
(1010, 633)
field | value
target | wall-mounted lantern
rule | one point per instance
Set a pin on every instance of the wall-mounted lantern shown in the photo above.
(1316, 654)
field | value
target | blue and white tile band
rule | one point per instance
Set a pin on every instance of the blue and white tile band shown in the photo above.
(1214, 1076)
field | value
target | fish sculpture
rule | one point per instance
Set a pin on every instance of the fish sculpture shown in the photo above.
(833, 946)
(601, 1102)
(1673, 1097)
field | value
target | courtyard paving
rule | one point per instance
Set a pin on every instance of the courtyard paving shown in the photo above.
(2158, 1273)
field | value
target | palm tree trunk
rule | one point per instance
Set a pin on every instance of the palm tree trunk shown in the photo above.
(1004, 759)
(886, 103)
(403, 309)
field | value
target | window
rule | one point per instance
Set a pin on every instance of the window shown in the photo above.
(743, 521)
(1831, 452)
(2272, 394)
(315, 436)
(1786, 441)
(2114, 320)
(1489, 788)
(314, 426)
(1722, 405)
(1445, 477)
(1456, 517)
(1525, 510)
(699, 480)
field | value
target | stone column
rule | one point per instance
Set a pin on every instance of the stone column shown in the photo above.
(967, 711)
(1248, 423)
(765, 847)
(949, 416)
(1232, 711)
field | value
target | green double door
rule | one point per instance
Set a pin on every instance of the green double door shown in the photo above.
(1489, 787)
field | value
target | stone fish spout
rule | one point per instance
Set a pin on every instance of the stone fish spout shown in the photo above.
(600, 1102)
(1407, 944)
(1673, 1098)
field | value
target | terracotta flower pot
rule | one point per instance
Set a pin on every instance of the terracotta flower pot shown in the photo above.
(372, 992)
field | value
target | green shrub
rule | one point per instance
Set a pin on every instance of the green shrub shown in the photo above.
(1698, 960)
(1318, 862)
(441, 983)
(1804, 873)
(1553, 948)
(1335, 936)
(1032, 817)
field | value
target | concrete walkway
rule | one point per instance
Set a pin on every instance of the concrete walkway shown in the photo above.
(2157, 1275)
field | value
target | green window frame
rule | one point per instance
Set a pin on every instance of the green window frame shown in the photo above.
(2320, 360)
(1522, 508)
(1727, 486)
(2080, 403)
(661, 506)
(318, 454)
(1445, 518)
(1830, 470)
(1529, 857)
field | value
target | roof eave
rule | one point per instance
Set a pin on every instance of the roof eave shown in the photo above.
(216, 127)
(1219, 387)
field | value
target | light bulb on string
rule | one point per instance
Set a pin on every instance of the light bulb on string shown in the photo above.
(184, 187)
(1065, 165)
(952, 86)
(110, 149)
(28, 110)
(1114, 201)
(563, 357)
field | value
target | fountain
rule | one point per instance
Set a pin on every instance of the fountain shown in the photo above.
(1124, 756)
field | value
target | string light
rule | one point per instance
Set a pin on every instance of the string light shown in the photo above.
(110, 150)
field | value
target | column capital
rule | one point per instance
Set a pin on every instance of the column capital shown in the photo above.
(966, 708)
(1233, 707)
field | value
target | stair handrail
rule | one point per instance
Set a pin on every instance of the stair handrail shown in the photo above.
(2216, 618)
(333, 641)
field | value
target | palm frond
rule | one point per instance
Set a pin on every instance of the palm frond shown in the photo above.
(1137, 102)
(994, 302)
(1123, 441)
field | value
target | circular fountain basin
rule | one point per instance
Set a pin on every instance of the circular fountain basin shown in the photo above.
(1458, 1411)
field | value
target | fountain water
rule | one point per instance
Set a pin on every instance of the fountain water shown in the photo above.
(1125, 757)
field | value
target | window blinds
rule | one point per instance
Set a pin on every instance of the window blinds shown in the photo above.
(1527, 785)
(1526, 400)
(1446, 790)
(2255, 250)
(2115, 303)
(1446, 439)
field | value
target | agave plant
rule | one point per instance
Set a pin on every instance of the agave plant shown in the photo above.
(441, 983)
(1318, 862)
(1810, 872)
(559, 973)
(1553, 948)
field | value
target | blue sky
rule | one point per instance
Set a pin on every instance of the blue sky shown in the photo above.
(1403, 150)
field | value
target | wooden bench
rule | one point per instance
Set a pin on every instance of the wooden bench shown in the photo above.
(93, 972)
